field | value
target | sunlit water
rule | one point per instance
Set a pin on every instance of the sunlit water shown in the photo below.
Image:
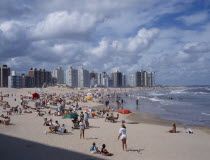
(190, 106)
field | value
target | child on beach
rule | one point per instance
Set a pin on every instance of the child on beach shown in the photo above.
(94, 149)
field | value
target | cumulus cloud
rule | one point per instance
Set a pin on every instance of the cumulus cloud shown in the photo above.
(131, 45)
(61, 24)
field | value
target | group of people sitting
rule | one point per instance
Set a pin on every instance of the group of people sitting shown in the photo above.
(4, 120)
(111, 118)
(55, 127)
(94, 149)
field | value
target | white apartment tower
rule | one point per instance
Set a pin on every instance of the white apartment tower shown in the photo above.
(83, 78)
(59, 75)
(71, 77)
(103, 79)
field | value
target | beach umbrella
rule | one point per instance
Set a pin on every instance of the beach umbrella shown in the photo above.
(71, 115)
(89, 98)
(91, 115)
(90, 110)
(124, 111)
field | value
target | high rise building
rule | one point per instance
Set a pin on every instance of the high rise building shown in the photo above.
(40, 77)
(27, 81)
(145, 79)
(4, 74)
(59, 75)
(153, 79)
(149, 80)
(83, 78)
(124, 82)
(137, 79)
(132, 80)
(117, 79)
(103, 79)
(14, 80)
(93, 78)
(71, 77)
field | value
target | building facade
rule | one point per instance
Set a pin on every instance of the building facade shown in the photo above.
(4, 74)
(142, 79)
(59, 75)
(71, 77)
(40, 77)
(117, 79)
(83, 78)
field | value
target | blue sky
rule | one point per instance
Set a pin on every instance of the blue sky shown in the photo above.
(169, 37)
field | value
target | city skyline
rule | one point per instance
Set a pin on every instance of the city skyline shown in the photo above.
(80, 77)
(170, 38)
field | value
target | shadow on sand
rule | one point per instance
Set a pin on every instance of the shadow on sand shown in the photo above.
(12, 148)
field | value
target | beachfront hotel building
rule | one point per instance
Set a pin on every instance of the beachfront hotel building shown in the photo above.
(59, 75)
(117, 78)
(4, 74)
(71, 77)
(83, 78)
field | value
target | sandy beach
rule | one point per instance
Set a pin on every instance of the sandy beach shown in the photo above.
(25, 137)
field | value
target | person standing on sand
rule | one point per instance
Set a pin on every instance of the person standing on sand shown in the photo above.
(123, 137)
(82, 129)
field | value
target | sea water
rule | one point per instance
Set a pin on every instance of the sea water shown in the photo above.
(190, 105)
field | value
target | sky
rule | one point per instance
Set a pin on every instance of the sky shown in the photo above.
(169, 37)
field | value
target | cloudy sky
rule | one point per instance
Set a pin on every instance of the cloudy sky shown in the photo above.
(170, 37)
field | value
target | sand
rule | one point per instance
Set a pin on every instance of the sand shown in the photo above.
(25, 138)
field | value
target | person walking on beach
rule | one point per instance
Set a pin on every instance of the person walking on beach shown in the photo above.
(123, 137)
(82, 129)
(137, 101)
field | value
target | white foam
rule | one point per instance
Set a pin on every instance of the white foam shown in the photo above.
(208, 114)
(201, 93)
(178, 92)
(155, 99)
(156, 94)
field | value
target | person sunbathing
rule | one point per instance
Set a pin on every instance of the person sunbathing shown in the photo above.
(104, 151)
(27, 111)
(173, 130)
(40, 114)
(48, 123)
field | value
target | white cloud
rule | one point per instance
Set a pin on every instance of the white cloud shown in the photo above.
(196, 47)
(131, 45)
(59, 24)
(194, 18)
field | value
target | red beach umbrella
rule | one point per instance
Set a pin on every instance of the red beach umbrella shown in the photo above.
(124, 111)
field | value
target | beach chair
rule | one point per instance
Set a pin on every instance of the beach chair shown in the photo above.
(76, 126)
(7, 122)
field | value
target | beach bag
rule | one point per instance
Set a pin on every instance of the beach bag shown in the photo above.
(189, 131)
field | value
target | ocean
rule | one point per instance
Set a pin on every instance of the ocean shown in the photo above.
(190, 105)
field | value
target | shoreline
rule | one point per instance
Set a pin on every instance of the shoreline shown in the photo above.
(153, 119)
